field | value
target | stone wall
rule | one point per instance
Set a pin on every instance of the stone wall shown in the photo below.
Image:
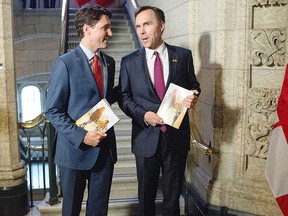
(240, 52)
(36, 41)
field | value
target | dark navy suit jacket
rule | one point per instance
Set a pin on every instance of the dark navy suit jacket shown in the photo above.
(72, 92)
(138, 96)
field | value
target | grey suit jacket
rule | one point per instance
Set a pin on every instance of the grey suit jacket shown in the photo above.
(72, 91)
(138, 96)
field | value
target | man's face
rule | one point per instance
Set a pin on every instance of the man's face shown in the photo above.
(97, 36)
(149, 29)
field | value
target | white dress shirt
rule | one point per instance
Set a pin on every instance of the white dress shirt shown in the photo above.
(150, 58)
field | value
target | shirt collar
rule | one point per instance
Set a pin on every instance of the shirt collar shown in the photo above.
(160, 50)
(88, 52)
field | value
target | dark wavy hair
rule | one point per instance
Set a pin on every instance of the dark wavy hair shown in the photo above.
(158, 12)
(89, 14)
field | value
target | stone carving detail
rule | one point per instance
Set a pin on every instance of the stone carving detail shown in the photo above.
(267, 47)
(262, 104)
(267, 2)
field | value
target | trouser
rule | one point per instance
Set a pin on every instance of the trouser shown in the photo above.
(73, 184)
(172, 165)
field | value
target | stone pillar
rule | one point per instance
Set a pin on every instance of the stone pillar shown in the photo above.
(13, 186)
(240, 79)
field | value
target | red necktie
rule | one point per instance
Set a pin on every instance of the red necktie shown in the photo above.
(98, 75)
(159, 81)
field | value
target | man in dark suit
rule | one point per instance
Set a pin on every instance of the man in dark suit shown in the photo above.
(155, 145)
(83, 155)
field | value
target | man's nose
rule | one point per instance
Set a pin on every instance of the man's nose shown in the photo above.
(141, 31)
(109, 32)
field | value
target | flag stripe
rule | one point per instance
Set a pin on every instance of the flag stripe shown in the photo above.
(282, 108)
(277, 159)
(276, 165)
(282, 202)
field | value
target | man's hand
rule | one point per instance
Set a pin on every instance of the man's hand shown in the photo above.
(93, 138)
(191, 100)
(152, 118)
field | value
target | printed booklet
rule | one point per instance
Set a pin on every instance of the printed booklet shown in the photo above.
(172, 110)
(101, 117)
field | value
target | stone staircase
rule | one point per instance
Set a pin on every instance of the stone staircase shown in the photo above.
(123, 198)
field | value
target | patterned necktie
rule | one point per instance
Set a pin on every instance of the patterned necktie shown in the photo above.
(98, 75)
(159, 81)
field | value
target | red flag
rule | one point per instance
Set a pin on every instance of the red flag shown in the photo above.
(82, 2)
(277, 160)
(104, 3)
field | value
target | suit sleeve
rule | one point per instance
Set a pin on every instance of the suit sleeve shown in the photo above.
(126, 102)
(113, 95)
(57, 104)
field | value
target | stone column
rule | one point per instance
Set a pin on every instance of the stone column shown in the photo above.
(13, 186)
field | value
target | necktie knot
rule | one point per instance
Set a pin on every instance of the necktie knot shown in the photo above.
(156, 54)
(95, 59)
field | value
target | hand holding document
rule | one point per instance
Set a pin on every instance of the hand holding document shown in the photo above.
(101, 117)
(172, 110)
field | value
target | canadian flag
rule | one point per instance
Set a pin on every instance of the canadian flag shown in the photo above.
(277, 160)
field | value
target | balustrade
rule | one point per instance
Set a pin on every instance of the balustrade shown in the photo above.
(36, 144)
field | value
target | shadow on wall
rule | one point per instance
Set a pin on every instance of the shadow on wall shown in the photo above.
(222, 117)
(216, 117)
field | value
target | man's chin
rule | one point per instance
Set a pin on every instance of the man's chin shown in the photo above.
(146, 45)
(104, 46)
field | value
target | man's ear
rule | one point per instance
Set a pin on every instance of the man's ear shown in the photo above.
(162, 27)
(86, 29)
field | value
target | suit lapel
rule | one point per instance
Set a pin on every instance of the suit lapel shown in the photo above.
(142, 67)
(108, 73)
(86, 69)
(140, 62)
(173, 61)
